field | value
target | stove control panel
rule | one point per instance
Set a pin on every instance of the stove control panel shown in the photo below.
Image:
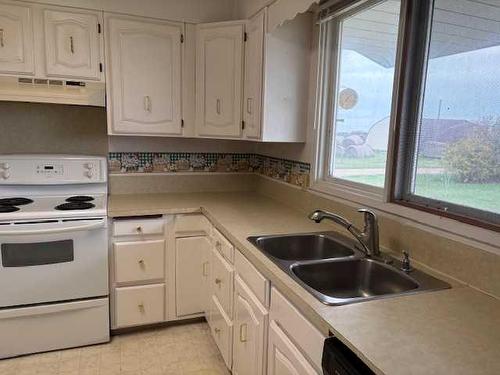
(50, 170)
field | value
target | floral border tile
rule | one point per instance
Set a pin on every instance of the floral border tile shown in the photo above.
(290, 171)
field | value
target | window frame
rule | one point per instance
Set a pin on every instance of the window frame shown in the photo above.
(412, 82)
(325, 111)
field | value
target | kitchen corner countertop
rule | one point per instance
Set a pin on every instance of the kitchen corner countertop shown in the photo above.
(454, 331)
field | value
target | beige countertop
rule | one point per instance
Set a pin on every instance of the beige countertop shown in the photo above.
(454, 331)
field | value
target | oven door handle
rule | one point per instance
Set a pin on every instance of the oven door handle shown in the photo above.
(53, 230)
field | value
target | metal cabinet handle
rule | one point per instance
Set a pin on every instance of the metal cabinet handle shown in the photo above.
(141, 307)
(2, 37)
(243, 332)
(218, 245)
(141, 262)
(217, 330)
(218, 281)
(205, 267)
(139, 229)
(218, 106)
(249, 105)
(71, 45)
(147, 103)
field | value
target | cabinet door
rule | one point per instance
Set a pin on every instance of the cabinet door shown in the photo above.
(250, 328)
(219, 66)
(191, 275)
(144, 76)
(283, 356)
(254, 54)
(16, 39)
(72, 44)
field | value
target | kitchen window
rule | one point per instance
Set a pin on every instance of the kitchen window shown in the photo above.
(360, 53)
(408, 108)
(450, 131)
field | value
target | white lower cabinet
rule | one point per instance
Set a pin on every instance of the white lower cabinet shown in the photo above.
(139, 261)
(283, 356)
(190, 273)
(221, 327)
(250, 330)
(139, 305)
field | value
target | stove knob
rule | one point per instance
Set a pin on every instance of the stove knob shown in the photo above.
(5, 175)
(5, 165)
(89, 166)
(89, 174)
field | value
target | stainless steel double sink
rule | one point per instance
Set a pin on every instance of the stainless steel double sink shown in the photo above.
(336, 272)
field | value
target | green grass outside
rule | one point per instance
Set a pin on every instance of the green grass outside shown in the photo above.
(378, 161)
(481, 196)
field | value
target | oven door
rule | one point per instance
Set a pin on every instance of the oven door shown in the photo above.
(53, 260)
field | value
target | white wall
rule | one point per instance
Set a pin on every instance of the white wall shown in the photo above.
(160, 144)
(175, 10)
(246, 8)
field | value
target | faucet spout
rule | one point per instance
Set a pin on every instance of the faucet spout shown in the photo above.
(368, 238)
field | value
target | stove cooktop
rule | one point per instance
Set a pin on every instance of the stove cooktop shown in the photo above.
(40, 207)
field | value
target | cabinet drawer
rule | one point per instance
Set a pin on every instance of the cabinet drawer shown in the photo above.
(191, 224)
(256, 282)
(139, 261)
(222, 278)
(221, 328)
(139, 305)
(297, 327)
(223, 246)
(134, 227)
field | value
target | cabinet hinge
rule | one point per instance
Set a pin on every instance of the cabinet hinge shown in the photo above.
(98, 28)
(100, 67)
(243, 125)
(245, 36)
(182, 123)
(182, 38)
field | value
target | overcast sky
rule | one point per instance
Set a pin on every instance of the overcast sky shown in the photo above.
(468, 85)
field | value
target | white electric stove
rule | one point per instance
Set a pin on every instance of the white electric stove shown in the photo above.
(53, 252)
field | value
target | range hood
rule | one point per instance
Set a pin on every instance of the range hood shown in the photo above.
(52, 91)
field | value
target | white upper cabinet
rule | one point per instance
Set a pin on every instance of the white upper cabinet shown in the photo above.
(219, 76)
(72, 44)
(254, 55)
(16, 39)
(143, 76)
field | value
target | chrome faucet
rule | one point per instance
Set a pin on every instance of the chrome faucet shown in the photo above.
(368, 238)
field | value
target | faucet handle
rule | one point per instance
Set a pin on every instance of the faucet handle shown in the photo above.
(368, 213)
(406, 263)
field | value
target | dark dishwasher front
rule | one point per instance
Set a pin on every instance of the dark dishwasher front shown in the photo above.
(338, 359)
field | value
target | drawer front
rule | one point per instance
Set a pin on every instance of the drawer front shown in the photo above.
(137, 227)
(221, 328)
(139, 305)
(188, 224)
(297, 327)
(222, 279)
(259, 285)
(139, 261)
(223, 246)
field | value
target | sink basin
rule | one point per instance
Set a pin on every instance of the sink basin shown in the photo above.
(301, 247)
(336, 272)
(345, 280)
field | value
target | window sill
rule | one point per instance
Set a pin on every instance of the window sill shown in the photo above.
(485, 239)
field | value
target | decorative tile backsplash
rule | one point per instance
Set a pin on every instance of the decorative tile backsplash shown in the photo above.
(293, 172)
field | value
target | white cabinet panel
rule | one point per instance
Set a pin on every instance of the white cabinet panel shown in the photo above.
(72, 44)
(221, 328)
(139, 305)
(283, 357)
(222, 279)
(190, 274)
(254, 55)
(144, 76)
(250, 329)
(16, 39)
(139, 261)
(219, 68)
